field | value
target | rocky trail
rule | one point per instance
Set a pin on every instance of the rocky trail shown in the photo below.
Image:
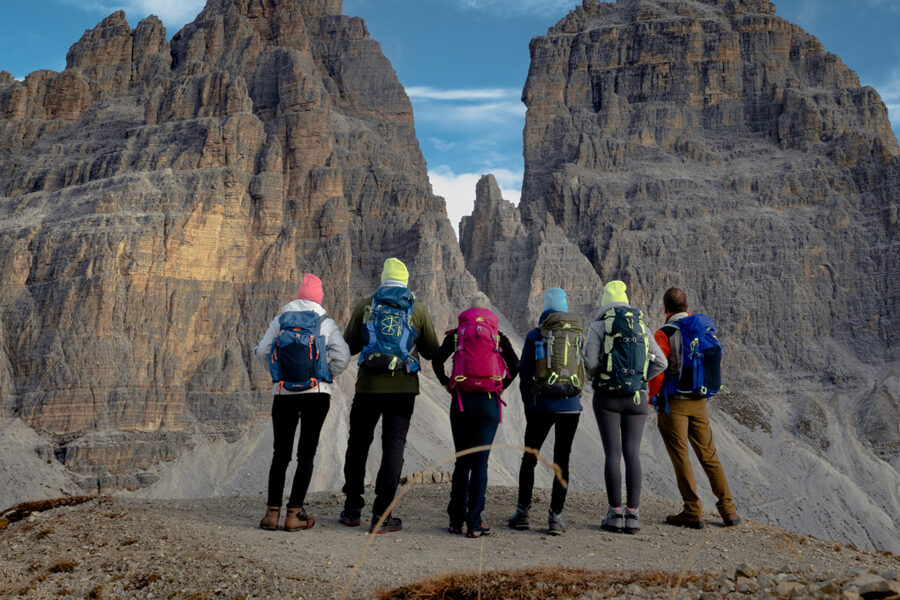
(212, 548)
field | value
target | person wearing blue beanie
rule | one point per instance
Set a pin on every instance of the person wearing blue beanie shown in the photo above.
(548, 406)
(555, 301)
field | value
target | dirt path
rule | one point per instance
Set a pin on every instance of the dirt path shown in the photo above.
(213, 548)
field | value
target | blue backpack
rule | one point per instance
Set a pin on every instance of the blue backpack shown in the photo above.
(388, 334)
(701, 360)
(297, 360)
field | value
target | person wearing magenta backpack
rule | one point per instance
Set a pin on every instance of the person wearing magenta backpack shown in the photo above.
(484, 364)
(304, 350)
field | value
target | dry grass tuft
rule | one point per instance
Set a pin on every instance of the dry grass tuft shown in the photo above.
(23, 510)
(139, 582)
(537, 583)
(63, 566)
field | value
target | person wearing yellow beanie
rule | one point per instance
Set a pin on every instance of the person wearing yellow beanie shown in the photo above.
(391, 331)
(395, 270)
(618, 344)
(614, 291)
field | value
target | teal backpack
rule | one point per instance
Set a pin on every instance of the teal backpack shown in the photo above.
(625, 354)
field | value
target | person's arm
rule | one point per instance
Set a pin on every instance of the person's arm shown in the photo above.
(511, 360)
(593, 347)
(526, 369)
(353, 331)
(658, 361)
(427, 342)
(655, 383)
(443, 353)
(337, 350)
(265, 344)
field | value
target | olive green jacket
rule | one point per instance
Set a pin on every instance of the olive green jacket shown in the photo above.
(375, 382)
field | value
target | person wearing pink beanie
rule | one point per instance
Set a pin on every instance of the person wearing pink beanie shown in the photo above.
(311, 289)
(301, 396)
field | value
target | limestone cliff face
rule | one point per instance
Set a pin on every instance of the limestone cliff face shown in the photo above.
(715, 146)
(711, 145)
(515, 264)
(159, 201)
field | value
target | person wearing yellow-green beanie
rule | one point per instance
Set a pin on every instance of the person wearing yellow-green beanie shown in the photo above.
(620, 415)
(386, 387)
(394, 270)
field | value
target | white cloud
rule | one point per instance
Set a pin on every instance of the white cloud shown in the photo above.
(468, 106)
(890, 95)
(889, 5)
(517, 7)
(429, 93)
(458, 189)
(173, 13)
(469, 114)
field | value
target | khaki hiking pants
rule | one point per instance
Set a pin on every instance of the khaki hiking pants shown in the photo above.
(687, 421)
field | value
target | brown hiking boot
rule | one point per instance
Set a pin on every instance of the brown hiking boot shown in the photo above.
(683, 519)
(270, 521)
(296, 519)
(732, 520)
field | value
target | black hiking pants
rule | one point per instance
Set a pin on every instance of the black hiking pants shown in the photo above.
(537, 428)
(395, 412)
(310, 411)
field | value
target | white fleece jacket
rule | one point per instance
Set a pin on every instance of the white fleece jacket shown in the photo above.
(337, 351)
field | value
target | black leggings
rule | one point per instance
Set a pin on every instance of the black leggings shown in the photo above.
(310, 410)
(621, 424)
(537, 428)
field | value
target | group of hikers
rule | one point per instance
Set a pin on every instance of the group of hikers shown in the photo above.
(675, 369)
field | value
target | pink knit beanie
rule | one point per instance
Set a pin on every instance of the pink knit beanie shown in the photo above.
(311, 289)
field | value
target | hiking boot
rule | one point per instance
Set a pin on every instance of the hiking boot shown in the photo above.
(632, 520)
(390, 524)
(480, 530)
(614, 521)
(296, 519)
(270, 521)
(520, 519)
(350, 518)
(683, 519)
(555, 523)
(732, 520)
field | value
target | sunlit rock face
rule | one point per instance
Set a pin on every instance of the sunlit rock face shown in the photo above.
(714, 146)
(160, 200)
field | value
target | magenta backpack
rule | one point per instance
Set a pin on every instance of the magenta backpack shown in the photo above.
(478, 364)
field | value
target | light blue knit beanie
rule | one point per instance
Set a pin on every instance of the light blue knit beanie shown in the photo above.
(555, 300)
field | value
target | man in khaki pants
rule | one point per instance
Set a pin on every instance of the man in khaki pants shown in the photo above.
(684, 421)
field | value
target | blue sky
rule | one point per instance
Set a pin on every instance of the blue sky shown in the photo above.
(463, 63)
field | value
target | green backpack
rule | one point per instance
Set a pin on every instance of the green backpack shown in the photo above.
(625, 355)
(559, 370)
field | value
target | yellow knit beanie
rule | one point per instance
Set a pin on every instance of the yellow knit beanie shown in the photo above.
(614, 291)
(395, 270)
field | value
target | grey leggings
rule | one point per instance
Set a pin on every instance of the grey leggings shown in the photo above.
(621, 424)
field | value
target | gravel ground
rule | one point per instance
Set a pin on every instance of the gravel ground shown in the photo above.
(213, 548)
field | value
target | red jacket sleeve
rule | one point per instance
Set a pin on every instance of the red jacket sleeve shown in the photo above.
(655, 384)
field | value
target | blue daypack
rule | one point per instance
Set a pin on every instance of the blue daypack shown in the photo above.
(297, 360)
(388, 334)
(701, 360)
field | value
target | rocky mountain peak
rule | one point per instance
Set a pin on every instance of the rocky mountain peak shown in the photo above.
(714, 146)
(108, 44)
(160, 202)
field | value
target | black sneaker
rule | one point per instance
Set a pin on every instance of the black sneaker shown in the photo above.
(520, 519)
(350, 518)
(474, 532)
(390, 524)
(455, 529)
